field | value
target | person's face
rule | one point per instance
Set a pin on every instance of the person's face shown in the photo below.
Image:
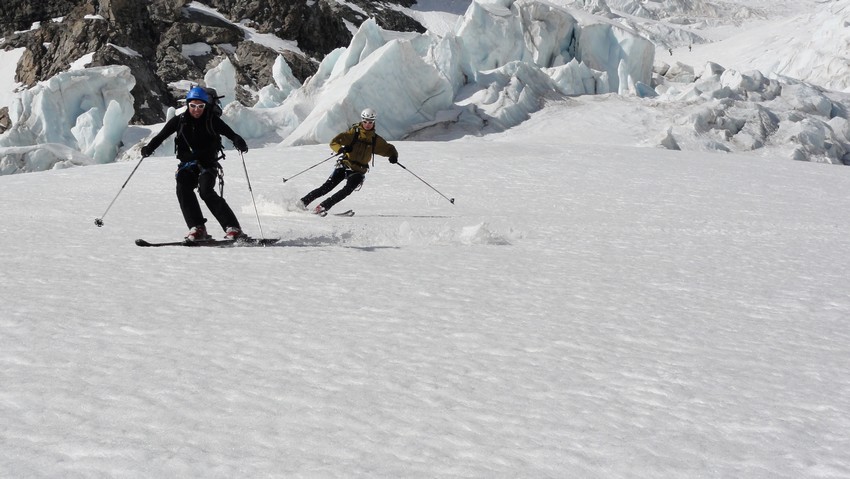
(367, 124)
(196, 108)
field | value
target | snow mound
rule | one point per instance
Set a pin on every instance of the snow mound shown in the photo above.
(482, 234)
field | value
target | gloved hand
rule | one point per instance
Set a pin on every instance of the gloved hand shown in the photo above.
(146, 151)
(343, 149)
(393, 159)
(240, 144)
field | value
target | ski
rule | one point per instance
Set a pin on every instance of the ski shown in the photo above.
(211, 242)
(324, 213)
(241, 242)
(144, 243)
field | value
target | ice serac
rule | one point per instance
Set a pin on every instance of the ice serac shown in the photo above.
(223, 79)
(393, 78)
(86, 110)
(285, 83)
(494, 33)
(503, 60)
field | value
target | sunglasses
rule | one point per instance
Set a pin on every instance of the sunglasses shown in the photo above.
(197, 106)
(368, 122)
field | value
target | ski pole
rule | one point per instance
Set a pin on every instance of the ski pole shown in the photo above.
(245, 167)
(308, 169)
(451, 200)
(99, 221)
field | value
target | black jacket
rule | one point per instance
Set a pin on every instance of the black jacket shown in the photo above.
(197, 140)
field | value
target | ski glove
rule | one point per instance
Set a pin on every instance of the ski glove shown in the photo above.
(240, 144)
(343, 149)
(146, 151)
(393, 159)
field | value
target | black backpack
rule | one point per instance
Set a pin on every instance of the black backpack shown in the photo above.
(215, 101)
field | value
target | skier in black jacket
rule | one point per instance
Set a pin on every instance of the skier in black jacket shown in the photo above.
(198, 144)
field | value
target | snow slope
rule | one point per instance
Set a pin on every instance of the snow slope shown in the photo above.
(582, 310)
(590, 306)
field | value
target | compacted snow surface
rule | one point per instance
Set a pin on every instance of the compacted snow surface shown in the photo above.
(583, 311)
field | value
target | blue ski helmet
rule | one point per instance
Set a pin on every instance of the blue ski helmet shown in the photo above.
(198, 93)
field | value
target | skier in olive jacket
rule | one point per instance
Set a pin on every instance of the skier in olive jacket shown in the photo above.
(198, 145)
(358, 145)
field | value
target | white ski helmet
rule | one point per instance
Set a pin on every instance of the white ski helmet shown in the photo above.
(368, 114)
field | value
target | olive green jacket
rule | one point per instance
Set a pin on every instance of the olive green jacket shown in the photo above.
(364, 144)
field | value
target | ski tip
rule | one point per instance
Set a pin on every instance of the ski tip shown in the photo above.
(141, 242)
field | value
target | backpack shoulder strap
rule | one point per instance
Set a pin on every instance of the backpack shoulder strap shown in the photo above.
(355, 137)
(180, 123)
(216, 135)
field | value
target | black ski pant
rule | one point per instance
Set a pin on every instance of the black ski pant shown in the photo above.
(191, 176)
(352, 182)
